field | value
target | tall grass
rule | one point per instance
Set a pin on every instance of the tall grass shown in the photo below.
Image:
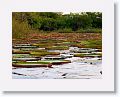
(20, 29)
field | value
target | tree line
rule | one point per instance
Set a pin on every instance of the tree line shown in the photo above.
(55, 21)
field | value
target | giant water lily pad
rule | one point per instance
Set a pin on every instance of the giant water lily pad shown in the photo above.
(26, 59)
(55, 62)
(88, 55)
(21, 52)
(44, 53)
(30, 64)
(41, 63)
(20, 55)
(24, 46)
(58, 48)
(53, 57)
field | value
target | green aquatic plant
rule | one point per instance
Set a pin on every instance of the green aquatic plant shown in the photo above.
(58, 48)
(88, 55)
(44, 53)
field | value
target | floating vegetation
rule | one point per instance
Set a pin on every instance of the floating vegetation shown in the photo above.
(55, 62)
(44, 53)
(41, 63)
(27, 59)
(53, 57)
(21, 52)
(87, 55)
(61, 58)
(57, 48)
(31, 64)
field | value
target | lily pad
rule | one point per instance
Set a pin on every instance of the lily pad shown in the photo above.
(30, 64)
(26, 59)
(57, 48)
(88, 55)
(44, 53)
(55, 62)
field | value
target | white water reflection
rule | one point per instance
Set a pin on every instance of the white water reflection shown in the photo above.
(79, 68)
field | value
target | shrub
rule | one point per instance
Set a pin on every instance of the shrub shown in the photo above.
(93, 30)
(65, 30)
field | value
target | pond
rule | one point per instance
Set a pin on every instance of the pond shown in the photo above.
(73, 63)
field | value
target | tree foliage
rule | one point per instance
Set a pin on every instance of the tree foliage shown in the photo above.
(55, 21)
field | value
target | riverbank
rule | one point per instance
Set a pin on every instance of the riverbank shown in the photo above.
(72, 37)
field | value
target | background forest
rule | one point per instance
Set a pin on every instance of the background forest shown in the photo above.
(24, 23)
